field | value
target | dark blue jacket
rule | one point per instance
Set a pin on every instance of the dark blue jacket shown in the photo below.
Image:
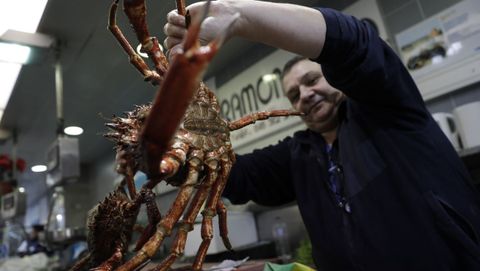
(413, 206)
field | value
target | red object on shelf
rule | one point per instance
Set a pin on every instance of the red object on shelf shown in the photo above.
(7, 178)
(5, 187)
(5, 162)
(21, 165)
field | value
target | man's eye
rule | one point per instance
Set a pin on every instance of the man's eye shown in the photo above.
(312, 81)
(293, 97)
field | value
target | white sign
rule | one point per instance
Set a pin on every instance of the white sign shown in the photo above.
(445, 46)
(257, 88)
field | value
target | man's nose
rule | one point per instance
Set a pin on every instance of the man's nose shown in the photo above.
(306, 93)
(306, 98)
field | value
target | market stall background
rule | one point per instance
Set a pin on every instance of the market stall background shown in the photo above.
(99, 82)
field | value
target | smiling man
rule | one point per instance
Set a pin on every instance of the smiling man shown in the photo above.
(310, 93)
(377, 183)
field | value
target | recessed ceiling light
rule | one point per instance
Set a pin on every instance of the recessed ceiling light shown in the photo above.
(269, 77)
(39, 168)
(73, 130)
(21, 189)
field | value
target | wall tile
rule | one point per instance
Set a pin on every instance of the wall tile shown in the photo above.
(467, 95)
(403, 18)
(441, 104)
(448, 102)
(335, 4)
(389, 6)
(433, 7)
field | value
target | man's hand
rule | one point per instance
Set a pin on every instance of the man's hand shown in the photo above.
(218, 19)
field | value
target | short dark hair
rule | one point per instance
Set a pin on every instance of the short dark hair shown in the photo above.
(288, 66)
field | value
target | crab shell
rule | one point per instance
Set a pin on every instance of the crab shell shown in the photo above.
(110, 225)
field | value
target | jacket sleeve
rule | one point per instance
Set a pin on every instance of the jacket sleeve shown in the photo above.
(358, 62)
(262, 176)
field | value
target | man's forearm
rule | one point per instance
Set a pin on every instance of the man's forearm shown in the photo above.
(290, 27)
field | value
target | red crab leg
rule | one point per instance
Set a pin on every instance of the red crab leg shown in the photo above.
(182, 11)
(135, 59)
(153, 215)
(178, 246)
(173, 98)
(209, 212)
(111, 262)
(181, 7)
(222, 224)
(252, 118)
(136, 12)
(81, 263)
(130, 183)
(164, 227)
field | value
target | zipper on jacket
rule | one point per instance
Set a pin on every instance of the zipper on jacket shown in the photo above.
(335, 180)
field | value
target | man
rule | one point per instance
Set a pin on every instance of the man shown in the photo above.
(378, 185)
(32, 244)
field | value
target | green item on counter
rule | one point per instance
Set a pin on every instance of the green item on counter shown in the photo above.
(286, 267)
(303, 254)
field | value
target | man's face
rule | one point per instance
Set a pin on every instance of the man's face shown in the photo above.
(310, 93)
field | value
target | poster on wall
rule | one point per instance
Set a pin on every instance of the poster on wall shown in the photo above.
(257, 88)
(445, 45)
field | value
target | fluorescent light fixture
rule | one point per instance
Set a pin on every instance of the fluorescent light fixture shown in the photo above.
(73, 130)
(15, 53)
(22, 15)
(9, 72)
(15, 15)
(39, 168)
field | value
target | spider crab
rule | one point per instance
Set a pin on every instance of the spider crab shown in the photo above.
(196, 157)
(111, 224)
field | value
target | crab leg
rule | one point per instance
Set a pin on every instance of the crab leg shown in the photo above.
(130, 183)
(135, 59)
(208, 213)
(252, 118)
(81, 263)
(178, 246)
(181, 7)
(222, 223)
(153, 215)
(164, 227)
(182, 11)
(111, 262)
(136, 12)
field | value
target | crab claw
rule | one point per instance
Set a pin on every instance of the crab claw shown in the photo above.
(175, 93)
